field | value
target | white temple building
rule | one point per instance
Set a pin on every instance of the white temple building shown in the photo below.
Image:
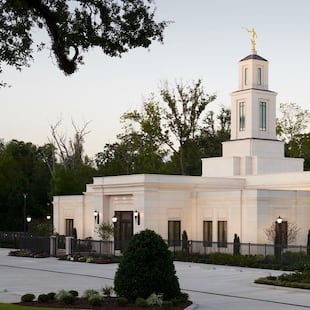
(243, 192)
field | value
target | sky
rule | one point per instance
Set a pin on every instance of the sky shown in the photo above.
(205, 41)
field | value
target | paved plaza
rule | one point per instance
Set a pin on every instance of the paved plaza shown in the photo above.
(210, 287)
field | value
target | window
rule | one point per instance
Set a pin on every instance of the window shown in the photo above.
(262, 116)
(241, 116)
(207, 233)
(245, 76)
(69, 227)
(222, 234)
(174, 233)
(259, 76)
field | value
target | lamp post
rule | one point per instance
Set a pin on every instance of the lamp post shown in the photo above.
(279, 238)
(24, 216)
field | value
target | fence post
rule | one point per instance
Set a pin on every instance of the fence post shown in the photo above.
(53, 246)
(69, 245)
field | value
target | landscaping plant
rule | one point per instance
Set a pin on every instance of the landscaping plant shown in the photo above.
(146, 267)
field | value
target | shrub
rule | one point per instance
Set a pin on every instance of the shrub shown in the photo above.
(74, 293)
(141, 302)
(28, 297)
(107, 290)
(166, 304)
(66, 297)
(51, 295)
(69, 299)
(95, 299)
(90, 292)
(154, 300)
(122, 301)
(43, 298)
(146, 267)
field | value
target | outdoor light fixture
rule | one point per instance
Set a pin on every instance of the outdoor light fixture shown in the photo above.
(28, 219)
(48, 217)
(96, 215)
(136, 214)
(279, 220)
(114, 219)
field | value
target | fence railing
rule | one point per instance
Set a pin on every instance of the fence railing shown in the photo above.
(91, 247)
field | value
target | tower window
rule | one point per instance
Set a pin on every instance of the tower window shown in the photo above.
(241, 116)
(259, 76)
(245, 76)
(262, 116)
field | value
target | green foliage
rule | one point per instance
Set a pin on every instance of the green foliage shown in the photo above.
(51, 295)
(105, 231)
(107, 290)
(122, 301)
(90, 292)
(74, 293)
(95, 300)
(43, 298)
(66, 297)
(185, 245)
(167, 304)
(154, 300)
(236, 245)
(141, 302)
(146, 268)
(114, 26)
(28, 297)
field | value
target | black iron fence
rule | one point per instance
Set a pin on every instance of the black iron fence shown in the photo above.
(91, 247)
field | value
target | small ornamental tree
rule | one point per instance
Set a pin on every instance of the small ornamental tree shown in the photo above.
(146, 267)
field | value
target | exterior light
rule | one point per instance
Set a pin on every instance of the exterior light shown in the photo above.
(28, 219)
(114, 219)
(279, 220)
(96, 215)
(136, 215)
(48, 217)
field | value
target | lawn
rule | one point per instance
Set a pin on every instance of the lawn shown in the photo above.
(16, 307)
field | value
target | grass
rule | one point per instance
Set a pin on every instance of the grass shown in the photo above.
(16, 307)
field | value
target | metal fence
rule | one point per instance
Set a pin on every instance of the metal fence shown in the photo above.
(91, 247)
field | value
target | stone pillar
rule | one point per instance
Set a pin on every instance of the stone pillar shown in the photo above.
(69, 244)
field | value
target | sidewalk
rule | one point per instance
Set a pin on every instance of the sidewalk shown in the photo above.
(210, 287)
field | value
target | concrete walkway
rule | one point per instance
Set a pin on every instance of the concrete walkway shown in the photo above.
(209, 286)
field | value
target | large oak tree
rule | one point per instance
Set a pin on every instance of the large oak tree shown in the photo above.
(75, 26)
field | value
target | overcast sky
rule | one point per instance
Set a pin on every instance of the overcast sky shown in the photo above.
(205, 41)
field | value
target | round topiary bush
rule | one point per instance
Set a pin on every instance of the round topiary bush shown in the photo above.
(43, 298)
(28, 297)
(146, 267)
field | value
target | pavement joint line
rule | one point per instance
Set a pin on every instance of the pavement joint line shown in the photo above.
(248, 298)
(60, 272)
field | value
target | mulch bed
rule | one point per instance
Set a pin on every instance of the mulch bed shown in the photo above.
(108, 304)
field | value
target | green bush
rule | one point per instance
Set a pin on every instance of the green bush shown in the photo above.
(95, 299)
(122, 301)
(167, 304)
(28, 297)
(69, 299)
(43, 298)
(90, 292)
(51, 296)
(74, 293)
(141, 302)
(146, 267)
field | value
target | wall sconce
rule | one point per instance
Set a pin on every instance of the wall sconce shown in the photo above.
(28, 218)
(48, 217)
(114, 219)
(136, 215)
(96, 215)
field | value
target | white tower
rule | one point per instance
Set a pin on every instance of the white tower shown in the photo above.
(253, 147)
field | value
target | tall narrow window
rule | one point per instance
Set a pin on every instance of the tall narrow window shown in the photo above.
(222, 234)
(241, 116)
(245, 76)
(69, 227)
(259, 76)
(207, 233)
(174, 233)
(262, 116)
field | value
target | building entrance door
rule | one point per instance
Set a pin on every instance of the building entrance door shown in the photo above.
(123, 229)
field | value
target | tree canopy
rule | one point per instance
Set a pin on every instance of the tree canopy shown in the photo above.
(74, 27)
